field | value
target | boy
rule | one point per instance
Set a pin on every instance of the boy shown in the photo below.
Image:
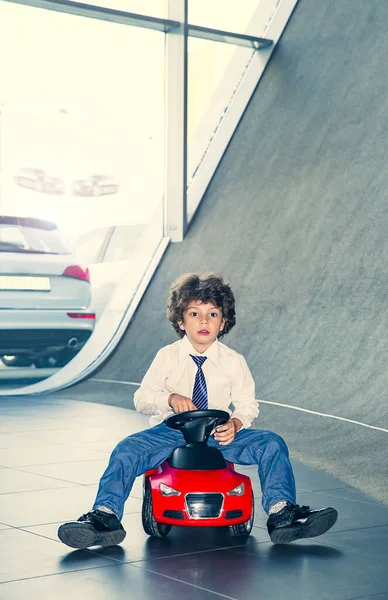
(198, 372)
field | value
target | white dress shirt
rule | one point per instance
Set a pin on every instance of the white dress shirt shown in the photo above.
(228, 381)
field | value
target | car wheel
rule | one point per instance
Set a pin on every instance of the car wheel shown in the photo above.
(150, 526)
(55, 361)
(243, 529)
(46, 362)
(16, 361)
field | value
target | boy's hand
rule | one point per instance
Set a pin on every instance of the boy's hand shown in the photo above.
(227, 432)
(180, 403)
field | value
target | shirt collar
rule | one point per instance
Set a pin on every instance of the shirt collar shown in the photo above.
(186, 349)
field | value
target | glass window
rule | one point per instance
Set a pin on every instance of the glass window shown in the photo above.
(11, 236)
(222, 14)
(82, 145)
(90, 247)
(151, 8)
(215, 70)
(123, 243)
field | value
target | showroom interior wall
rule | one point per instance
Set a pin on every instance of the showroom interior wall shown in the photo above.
(88, 141)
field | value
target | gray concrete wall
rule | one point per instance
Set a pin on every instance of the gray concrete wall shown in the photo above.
(296, 219)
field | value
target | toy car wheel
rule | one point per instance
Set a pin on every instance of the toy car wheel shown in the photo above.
(243, 529)
(150, 526)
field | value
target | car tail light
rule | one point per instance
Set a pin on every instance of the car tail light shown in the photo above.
(237, 491)
(77, 272)
(168, 491)
(81, 315)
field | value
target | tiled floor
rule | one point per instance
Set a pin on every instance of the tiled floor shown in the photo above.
(52, 453)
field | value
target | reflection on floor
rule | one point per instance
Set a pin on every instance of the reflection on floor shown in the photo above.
(17, 377)
(52, 453)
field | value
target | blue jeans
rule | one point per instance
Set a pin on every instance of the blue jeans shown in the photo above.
(147, 449)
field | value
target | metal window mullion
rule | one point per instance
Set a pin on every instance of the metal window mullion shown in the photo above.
(228, 37)
(175, 192)
(112, 15)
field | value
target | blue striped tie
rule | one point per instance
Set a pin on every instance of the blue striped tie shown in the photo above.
(200, 389)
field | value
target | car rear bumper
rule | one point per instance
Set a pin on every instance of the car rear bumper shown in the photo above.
(25, 331)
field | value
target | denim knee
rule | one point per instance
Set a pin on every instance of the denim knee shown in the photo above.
(275, 442)
(272, 443)
(127, 449)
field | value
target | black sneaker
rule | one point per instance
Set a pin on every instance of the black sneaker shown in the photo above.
(294, 522)
(95, 528)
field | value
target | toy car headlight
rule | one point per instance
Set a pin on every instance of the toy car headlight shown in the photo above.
(168, 491)
(237, 491)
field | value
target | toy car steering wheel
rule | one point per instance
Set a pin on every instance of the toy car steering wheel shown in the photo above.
(197, 425)
(178, 420)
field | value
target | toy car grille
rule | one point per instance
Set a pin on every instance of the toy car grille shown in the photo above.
(204, 506)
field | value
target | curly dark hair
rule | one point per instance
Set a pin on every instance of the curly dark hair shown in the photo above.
(208, 287)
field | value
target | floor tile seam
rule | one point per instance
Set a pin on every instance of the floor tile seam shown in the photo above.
(30, 437)
(21, 528)
(53, 442)
(65, 407)
(371, 501)
(68, 462)
(379, 418)
(48, 476)
(114, 443)
(67, 416)
(60, 443)
(368, 596)
(64, 487)
(57, 541)
(74, 484)
(102, 424)
(347, 548)
(68, 571)
(27, 433)
(337, 531)
(30, 434)
(18, 416)
(44, 443)
(193, 553)
(348, 487)
(69, 420)
(134, 512)
(192, 585)
(34, 525)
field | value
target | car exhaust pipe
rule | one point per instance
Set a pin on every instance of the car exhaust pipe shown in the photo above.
(73, 342)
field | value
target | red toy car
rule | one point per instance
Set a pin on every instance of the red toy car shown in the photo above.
(196, 486)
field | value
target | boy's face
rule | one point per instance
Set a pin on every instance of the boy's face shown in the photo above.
(202, 323)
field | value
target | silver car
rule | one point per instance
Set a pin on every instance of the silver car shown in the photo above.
(40, 181)
(95, 185)
(45, 297)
